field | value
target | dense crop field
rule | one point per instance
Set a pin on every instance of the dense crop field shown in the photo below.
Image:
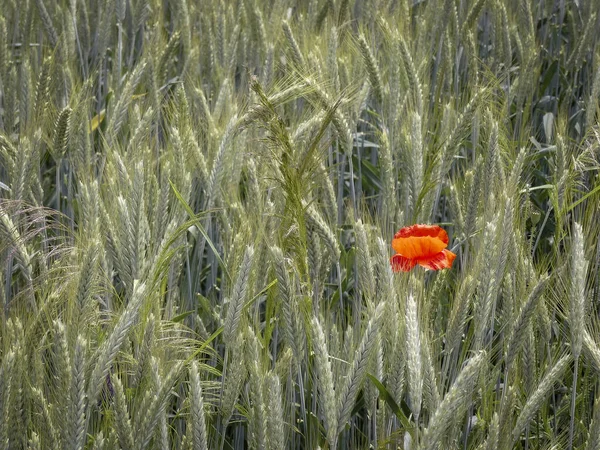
(197, 206)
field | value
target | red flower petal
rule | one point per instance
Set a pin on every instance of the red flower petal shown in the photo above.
(443, 260)
(402, 264)
(420, 230)
(420, 241)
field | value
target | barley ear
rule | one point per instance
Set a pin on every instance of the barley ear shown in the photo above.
(238, 297)
(122, 422)
(62, 131)
(372, 67)
(516, 337)
(323, 230)
(536, 399)
(292, 324)
(198, 423)
(454, 403)
(577, 297)
(108, 352)
(275, 428)
(157, 407)
(34, 442)
(491, 443)
(594, 99)
(297, 57)
(99, 442)
(413, 355)
(236, 374)
(325, 382)
(78, 396)
(591, 350)
(358, 370)
(366, 275)
(257, 424)
(47, 23)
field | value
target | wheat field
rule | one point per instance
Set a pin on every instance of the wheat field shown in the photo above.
(198, 200)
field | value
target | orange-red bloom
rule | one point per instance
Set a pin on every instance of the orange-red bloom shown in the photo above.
(421, 244)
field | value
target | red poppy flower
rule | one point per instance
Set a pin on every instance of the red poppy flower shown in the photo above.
(421, 244)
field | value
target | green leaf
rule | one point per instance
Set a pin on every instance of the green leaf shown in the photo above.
(548, 76)
(204, 345)
(182, 316)
(592, 192)
(401, 413)
(196, 220)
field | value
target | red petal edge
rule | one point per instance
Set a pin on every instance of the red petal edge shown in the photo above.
(419, 230)
(401, 264)
(442, 260)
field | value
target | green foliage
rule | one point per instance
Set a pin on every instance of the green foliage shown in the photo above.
(197, 200)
